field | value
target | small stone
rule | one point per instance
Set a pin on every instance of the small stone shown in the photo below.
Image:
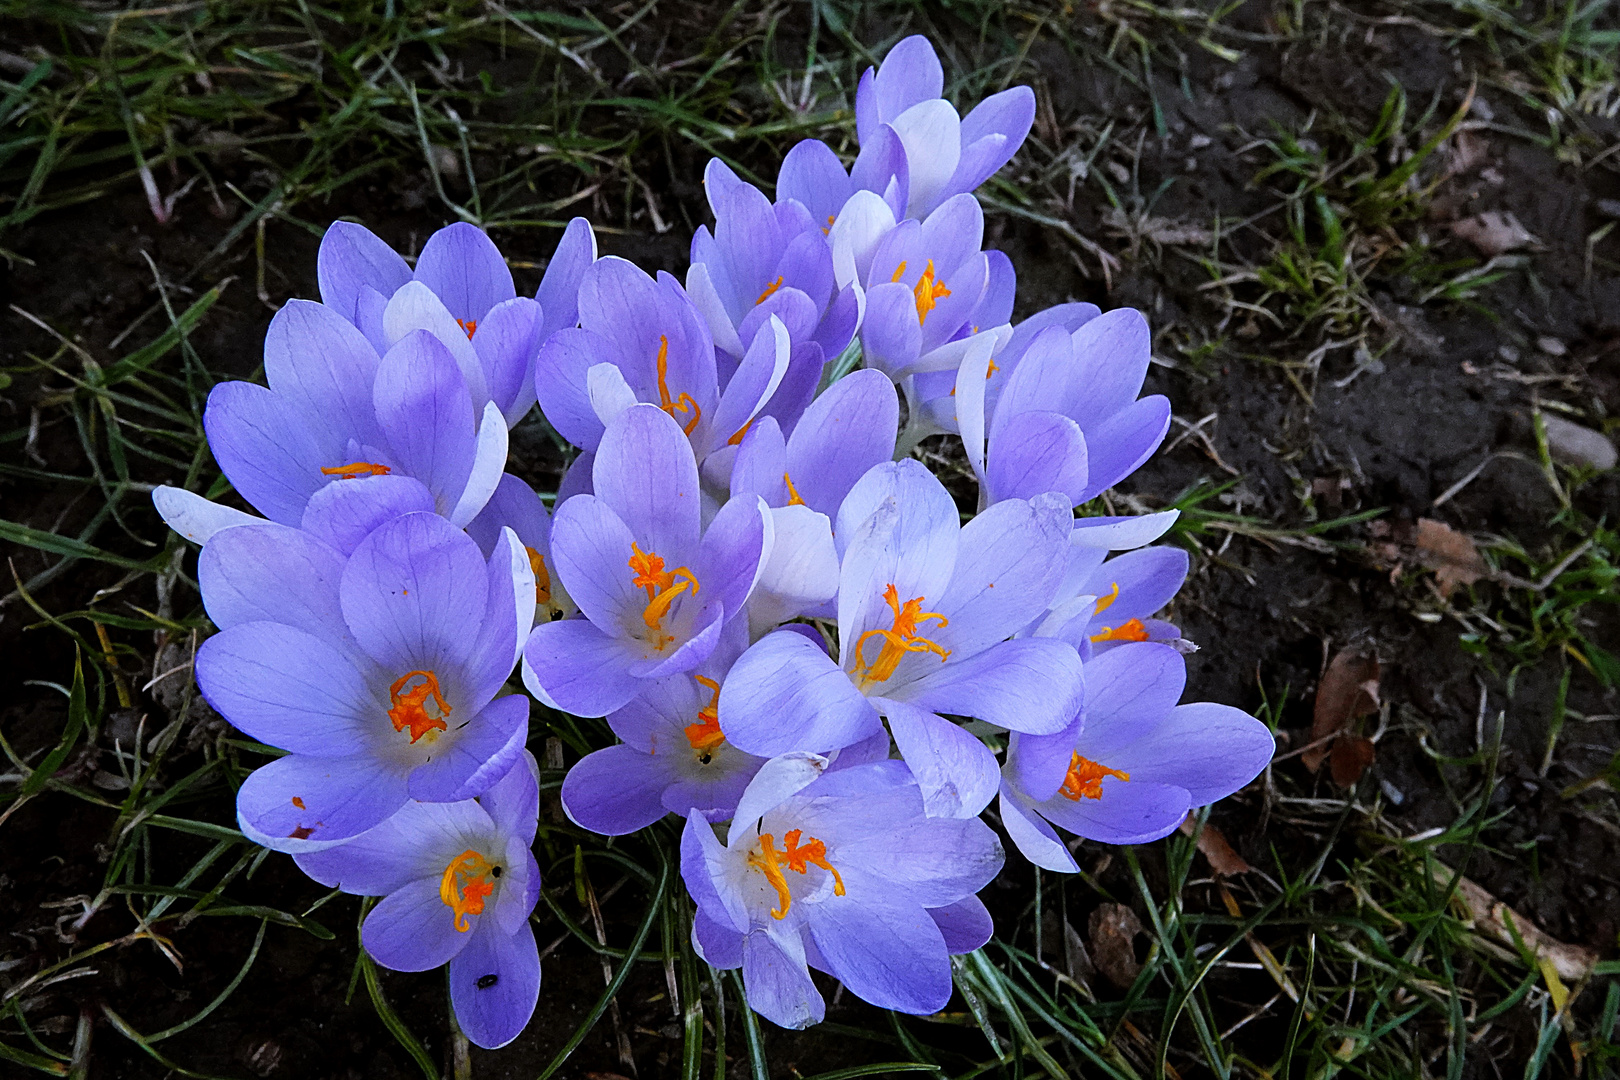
(1508, 353)
(1609, 208)
(1392, 793)
(1579, 445)
(1551, 346)
(1198, 142)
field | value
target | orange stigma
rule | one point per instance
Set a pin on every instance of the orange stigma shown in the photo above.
(410, 708)
(1085, 778)
(742, 432)
(542, 578)
(663, 587)
(927, 291)
(769, 289)
(1105, 602)
(1130, 630)
(705, 735)
(469, 325)
(356, 468)
(684, 403)
(793, 493)
(798, 859)
(466, 882)
(900, 640)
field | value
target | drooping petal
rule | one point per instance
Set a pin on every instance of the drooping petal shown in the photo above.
(298, 799)
(778, 982)
(412, 929)
(495, 984)
(194, 517)
(885, 948)
(786, 694)
(616, 791)
(956, 772)
(1032, 836)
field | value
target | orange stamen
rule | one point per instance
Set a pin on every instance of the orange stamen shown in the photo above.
(663, 587)
(1085, 777)
(1131, 630)
(769, 289)
(684, 403)
(542, 578)
(469, 325)
(736, 440)
(465, 884)
(705, 735)
(928, 292)
(410, 706)
(795, 858)
(356, 468)
(899, 640)
(1105, 602)
(793, 493)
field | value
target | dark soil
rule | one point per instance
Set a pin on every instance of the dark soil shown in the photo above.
(1266, 615)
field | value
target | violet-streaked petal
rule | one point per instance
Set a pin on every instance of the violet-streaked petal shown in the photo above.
(286, 687)
(296, 799)
(1121, 444)
(786, 694)
(414, 844)
(345, 512)
(1211, 750)
(777, 780)
(616, 790)
(324, 369)
(475, 756)
(421, 401)
(965, 925)
(264, 448)
(412, 929)
(351, 258)
(270, 572)
(1033, 837)
(495, 984)
(1037, 452)
(1010, 561)
(1129, 691)
(886, 949)
(1113, 351)
(464, 268)
(1133, 812)
(956, 772)
(844, 433)
(646, 474)
(1029, 684)
(777, 981)
(579, 668)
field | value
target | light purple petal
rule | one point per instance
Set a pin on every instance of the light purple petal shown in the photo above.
(466, 761)
(194, 517)
(1033, 837)
(1211, 750)
(464, 268)
(341, 797)
(422, 402)
(1129, 691)
(323, 368)
(1133, 812)
(494, 1012)
(956, 772)
(843, 434)
(786, 694)
(884, 948)
(352, 257)
(1029, 684)
(616, 791)
(345, 512)
(910, 73)
(514, 506)
(646, 474)
(417, 842)
(506, 341)
(778, 982)
(561, 387)
(412, 929)
(719, 946)
(1010, 561)
(582, 670)
(285, 687)
(728, 560)
(1114, 350)
(270, 572)
(965, 925)
(1037, 452)
(264, 448)
(559, 288)
(1120, 445)
(891, 336)
(590, 554)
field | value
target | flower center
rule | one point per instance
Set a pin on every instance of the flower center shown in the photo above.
(901, 639)
(542, 578)
(794, 499)
(1130, 630)
(663, 587)
(927, 291)
(411, 707)
(354, 469)
(705, 735)
(467, 881)
(770, 862)
(469, 325)
(769, 289)
(684, 403)
(1085, 779)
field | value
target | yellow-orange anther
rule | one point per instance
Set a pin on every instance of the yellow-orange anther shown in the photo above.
(769, 289)
(542, 577)
(793, 492)
(354, 469)
(410, 707)
(1130, 630)
(663, 588)
(737, 437)
(1106, 602)
(899, 640)
(684, 403)
(465, 884)
(927, 291)
(1085, 777)
(798, 859)
(469, 325)
(705, 735)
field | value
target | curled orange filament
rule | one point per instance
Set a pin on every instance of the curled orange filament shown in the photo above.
(901, 639)
(769, 289)
(1085, 777)
(770, 862)
(354, 469)
(1105, 602)
(663, 587)
(466, 882)
(705, 735)
(1130, 630)
(684, 403)
(410, 707)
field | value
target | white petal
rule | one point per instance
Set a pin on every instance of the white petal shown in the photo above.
(417, 307)
(489, 461)
(610, 395)
(194, 517)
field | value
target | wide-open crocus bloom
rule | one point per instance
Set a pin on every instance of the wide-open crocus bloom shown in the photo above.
(1104, 605)
(845, 874)
(674, 757)
(764, 260)
(377, 673)
(946, 154)
(461, 292)
(458, 882)
(925, 608)
(654, 586)
(1068, 418)
(1130, 766)
(333, 411)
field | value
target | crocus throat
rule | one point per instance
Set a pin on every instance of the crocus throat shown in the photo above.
(770, 862)
(901, 639)
(469, 325)
(542, 578)
(705, 735)
(354, 469)
(411, 707)
(1130, 630)
(1085, 779)
(927, 291)
(769, 289)
(466, 882)
(663, 587)
(684, 403)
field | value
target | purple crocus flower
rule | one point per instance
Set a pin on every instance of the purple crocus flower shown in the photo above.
(655, 588)
(762, 261)
(925, 608)
(843, 872)
(946, 154)
(1130, 766)
(377, 672)
(1105, 605)
(458, 882)
(673, 757)
(461, 292)
(515, 506)
(333, 411)
(1068, 418)
(813, 177)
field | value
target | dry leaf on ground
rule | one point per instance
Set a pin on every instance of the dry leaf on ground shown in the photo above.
(1494, 233)
(1349, 690)
(1450, 554)
(1212, 843)
(1113, 943)
(1350, 757)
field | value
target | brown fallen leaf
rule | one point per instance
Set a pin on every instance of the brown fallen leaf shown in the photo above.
(1494, 233)
(1495, 921)
(1348, 691)
(1450, 554)
(1224, 860)
(1350, 757)
(1113, 943)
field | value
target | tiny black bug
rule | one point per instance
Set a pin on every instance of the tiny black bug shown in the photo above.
(487, 981)
(495, 871)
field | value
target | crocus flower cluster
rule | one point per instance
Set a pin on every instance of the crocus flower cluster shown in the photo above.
(801, 643)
